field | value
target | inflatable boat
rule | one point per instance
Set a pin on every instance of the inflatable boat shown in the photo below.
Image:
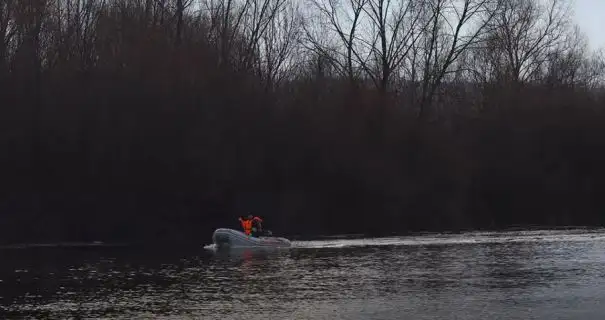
(229, 238)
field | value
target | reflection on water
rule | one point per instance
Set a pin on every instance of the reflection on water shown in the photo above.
(544, 275)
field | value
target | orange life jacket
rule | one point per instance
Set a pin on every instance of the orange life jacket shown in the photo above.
(247, 226)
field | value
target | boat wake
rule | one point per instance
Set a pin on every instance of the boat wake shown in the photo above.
(460, 239)
(210, 247)
(452, 239)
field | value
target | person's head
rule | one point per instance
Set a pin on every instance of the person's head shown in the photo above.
(250, 216)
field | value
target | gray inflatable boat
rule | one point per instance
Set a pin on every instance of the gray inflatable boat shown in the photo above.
(229, 238)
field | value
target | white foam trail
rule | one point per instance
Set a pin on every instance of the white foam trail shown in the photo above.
(210, 247)
(455, 239)
(460, 239)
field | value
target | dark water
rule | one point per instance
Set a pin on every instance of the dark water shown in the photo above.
(527, 275)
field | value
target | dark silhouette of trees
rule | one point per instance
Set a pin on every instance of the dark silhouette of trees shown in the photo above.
(156, 120)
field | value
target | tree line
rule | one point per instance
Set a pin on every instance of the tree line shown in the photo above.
(136, 120)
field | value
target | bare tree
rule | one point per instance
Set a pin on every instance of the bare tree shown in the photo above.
(397, 25)
(237, 27)
(29, 18)
(592, 71)
(376, 36)
(455, 26)
(563, 63)
(277, 46)
(7, 31)
(341, 21)
(72, 29)
(527, 32)
(259, 19)
(572, 64)
(226, 18)
(181, 7)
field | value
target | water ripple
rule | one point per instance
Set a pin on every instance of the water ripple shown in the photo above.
(521, 275)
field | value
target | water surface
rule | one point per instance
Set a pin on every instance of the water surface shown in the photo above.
(514, 275)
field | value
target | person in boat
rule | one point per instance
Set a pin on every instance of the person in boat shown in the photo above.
(252, 225)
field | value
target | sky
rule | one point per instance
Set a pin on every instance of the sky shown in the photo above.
(590, 16)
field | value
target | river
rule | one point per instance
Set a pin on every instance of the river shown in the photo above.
(504, 275)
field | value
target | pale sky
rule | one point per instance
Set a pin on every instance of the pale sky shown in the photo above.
(590, 16)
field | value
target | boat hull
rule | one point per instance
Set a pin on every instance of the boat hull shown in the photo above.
(230, 238)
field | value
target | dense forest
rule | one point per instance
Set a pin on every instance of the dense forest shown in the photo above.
(161, 120)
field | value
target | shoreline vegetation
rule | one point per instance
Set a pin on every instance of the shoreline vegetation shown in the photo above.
(160, 121)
